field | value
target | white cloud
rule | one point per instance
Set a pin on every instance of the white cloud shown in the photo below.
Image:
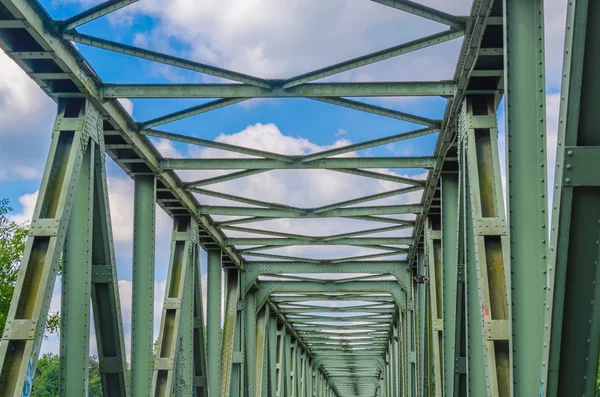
(341, 132)
(26, 117)
(127, 104)
(274, 39)
(27, 202)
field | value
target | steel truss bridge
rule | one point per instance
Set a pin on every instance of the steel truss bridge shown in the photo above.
(487, 300)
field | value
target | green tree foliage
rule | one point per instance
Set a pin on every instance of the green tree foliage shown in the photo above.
(12, 245)
(46, 380)
(47, 375)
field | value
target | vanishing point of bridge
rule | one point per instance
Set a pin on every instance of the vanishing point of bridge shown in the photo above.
(467, 295)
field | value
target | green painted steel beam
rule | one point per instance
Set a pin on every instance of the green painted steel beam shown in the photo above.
(569, 363)
(380, 176)
(165, 59)
(269, 233)
(289, 213)
(231, 197)
(173, 364)
(242, 221)
(476, 376)
(223, 178)
(265, 164)
(378, 56)
(393, 288)
(425, 12)
(366, 232)
(394, 89)
(526, 189)
(383, 219)
(31, 298)
(76, 285)
(189, 112)
(449, 191)
(362, 257)
(94, 13)
(217, 145)
(213, 319)
(106, 305)
(365, 199)
(298, 242)
(369, 144)
(144, 216)
(381, 111)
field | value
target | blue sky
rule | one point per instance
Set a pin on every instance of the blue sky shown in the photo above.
(266, 38)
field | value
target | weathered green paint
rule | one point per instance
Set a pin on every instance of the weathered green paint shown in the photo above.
(112, 91)
(265, 164)
(76, 285)
(569, 363)
(142, 314)
(94, 13)
(524, 84)
(173, 364)
(449, 193)
(213, 320)
(35, 282)
(316, 351)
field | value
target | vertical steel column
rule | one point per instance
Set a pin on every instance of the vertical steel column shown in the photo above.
(420, 327)
(395, 364)
(490, 239)
(173, 365)
(449, 192)
(434, 255)
(572, 324)
(142, 313)
(287, 359)
(76, 285)
(251, 353)
(410, 333)
(476, 373)
(200, 364)
(106, 305)
(526, 188)
(406, 356)
(237, 361)
(280, 361)
(28, 311)
(229, 330)
(213, 320)
(258, 381)
(272, 357)
(460, 330)
(486, 249)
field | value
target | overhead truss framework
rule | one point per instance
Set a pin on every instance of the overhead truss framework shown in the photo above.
(447, 294)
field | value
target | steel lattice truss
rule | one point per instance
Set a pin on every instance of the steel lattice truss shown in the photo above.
(442, 302)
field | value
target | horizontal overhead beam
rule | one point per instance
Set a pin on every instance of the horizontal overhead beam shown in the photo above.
(93, 13)
(425, 12)
(291, 213)
(264, 164)
(442, 88)
(165, 59)
(378, 56)
(343, 241)
(381, 111)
